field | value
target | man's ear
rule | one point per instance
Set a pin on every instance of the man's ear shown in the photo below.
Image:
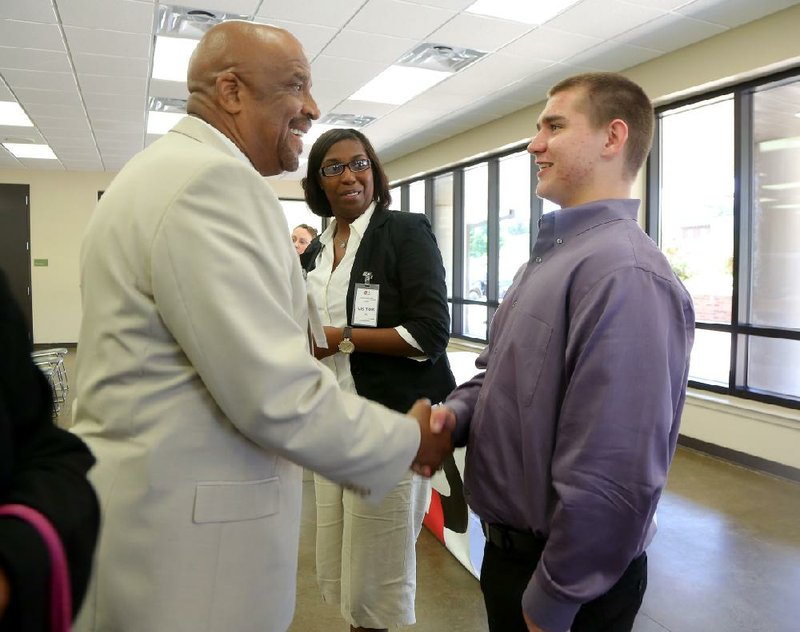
(616, 137)
(228, 86)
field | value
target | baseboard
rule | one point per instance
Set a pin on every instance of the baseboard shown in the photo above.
(742, 458)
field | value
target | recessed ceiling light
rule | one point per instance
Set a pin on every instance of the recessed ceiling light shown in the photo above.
(29, 150)
(398, 84)
(171, 57)
(13, 115)
(525, 11)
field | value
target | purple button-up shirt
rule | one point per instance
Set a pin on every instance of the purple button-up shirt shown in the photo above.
(573, 422)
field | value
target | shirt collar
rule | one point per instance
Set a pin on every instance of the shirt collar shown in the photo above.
(359, 225)
(235, 151)
(570, 222)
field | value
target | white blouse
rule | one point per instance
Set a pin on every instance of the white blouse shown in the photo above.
(328, 288)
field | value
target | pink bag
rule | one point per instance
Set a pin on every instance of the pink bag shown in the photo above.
(60, 597)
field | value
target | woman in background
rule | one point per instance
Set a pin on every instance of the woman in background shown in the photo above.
(302, 236)
(378, 281)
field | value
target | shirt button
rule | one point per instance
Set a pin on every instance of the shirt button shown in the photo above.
(559, 241)
(538, 260)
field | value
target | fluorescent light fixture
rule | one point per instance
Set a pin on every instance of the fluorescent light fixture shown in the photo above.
(781, 187)
(787, 206)
(171, 57)
(398, 84)
(525, 11)
(30, 150)
(779, 144)
(13, 115)
(162, 122)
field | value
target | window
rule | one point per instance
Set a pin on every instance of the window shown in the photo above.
(476, 215)
(724, 204)
(297, 212)
(416, 197)
(443, 223)
(514, 217)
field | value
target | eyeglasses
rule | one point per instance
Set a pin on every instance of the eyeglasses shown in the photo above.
(359, 164)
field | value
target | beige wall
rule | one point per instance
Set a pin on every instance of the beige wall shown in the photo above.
(61, 203)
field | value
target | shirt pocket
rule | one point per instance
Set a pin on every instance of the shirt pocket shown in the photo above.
(518, 367)
(227, 501)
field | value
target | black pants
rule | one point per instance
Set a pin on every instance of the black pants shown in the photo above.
(505, 575)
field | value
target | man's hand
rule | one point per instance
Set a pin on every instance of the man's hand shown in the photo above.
(433, 446)
(442, 417)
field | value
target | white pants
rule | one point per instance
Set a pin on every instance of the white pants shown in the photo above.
(366, 556)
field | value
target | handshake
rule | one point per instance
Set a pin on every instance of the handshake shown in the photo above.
(436, 425)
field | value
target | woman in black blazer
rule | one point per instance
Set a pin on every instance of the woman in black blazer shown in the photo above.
(377, 279)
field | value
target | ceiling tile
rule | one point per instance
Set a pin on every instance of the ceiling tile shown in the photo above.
(32, 59)
(51, 97)
(100, 42)
(48, 124)
(478, 32)
(670, 32)
(108, 65)
(550, 44)
(382, 49)
(322, 12)
(457, 5)
(313, 37)
(114, 15)
(136, 127)
(367, 108)
(400, 19)
(36, 110)
(101, 100)
(32, 10)
(733, 12)
(31, 35)
(239, 7)
(39, 80)
(358, 72)
(613, 57)
(7, 161)
(5, 93)
(663, 5)
(603, 18)
(116, 114)
(108, 84)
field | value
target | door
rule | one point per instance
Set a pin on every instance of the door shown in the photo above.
(15, 255)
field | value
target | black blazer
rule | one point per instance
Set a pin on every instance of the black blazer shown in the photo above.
(400, 251)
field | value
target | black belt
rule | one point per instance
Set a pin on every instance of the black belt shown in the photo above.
(513, 540)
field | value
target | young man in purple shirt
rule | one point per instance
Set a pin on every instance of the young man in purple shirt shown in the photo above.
(572, 423)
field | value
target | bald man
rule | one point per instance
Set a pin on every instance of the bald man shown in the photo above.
(195, 387)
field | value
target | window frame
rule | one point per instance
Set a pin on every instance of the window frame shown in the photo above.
(738, 329)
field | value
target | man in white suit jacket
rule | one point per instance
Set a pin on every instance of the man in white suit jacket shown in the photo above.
(196, 389)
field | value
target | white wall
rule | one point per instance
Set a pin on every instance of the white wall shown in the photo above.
(763, 46)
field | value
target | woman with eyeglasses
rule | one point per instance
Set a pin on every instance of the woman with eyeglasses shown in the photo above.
(377, 279)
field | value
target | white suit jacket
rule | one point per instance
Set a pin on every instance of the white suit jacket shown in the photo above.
(198, 396)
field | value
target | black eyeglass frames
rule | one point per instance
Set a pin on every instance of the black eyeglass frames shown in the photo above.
(356, 165)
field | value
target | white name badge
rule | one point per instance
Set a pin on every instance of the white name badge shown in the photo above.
(365, 305)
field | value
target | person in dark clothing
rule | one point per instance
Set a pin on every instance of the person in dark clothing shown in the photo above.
(42, 467)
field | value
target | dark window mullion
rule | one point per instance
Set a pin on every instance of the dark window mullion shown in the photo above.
(458, 252)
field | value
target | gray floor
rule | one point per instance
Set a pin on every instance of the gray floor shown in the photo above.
(726, 559)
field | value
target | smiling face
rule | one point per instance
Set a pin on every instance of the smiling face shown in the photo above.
(277, 107)
(349, 194)
(568, 151)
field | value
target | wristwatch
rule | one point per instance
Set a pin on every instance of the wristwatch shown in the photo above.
(346, 346)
